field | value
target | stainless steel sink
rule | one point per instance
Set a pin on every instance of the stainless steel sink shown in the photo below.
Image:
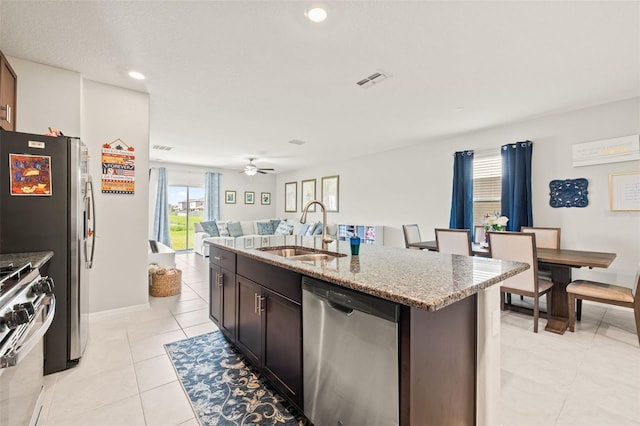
(301, 253)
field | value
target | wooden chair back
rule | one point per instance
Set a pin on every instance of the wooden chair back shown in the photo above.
(545, 237)
(519, 247)
(411, 234)
(453, 241)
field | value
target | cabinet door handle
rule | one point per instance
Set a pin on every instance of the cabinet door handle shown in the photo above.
(217, 257)
(260, 306)
(219, 279)
(255, 302)
(7, 113)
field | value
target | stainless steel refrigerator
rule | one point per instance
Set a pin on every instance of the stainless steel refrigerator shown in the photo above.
(46, 203)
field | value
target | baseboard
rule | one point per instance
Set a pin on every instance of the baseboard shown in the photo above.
(119, 311)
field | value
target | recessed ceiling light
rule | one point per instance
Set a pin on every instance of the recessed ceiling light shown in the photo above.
(317, 14)
(136, 75)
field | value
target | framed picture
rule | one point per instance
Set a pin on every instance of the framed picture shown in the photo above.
(230, 197)
(624, 192)
(308, 193)
(265, 198)
(331, 192)
(249, 197)
(290, 196)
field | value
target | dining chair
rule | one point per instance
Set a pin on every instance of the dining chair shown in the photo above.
(545, 237)
(453, 241)
(521, 247)
(411, 234)
(605, 293)
(478, 234)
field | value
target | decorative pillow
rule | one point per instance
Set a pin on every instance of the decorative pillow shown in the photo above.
(222, 229)
(318, 230)
(303, 229)
(310, 229)
(265, 228)
(284, 228)
(210, 228)
(274, 224)
(235, 229)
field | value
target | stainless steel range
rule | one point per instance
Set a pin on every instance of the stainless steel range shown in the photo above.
(27, 308)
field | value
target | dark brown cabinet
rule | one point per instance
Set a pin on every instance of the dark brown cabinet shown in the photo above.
(8, 95)
(222, 286)
(269, 327)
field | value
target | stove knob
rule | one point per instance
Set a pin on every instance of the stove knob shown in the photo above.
(28, 306)
(47, 285)
(15, 318)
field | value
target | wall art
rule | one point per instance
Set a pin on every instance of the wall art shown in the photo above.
(568, 193)
(30, 174)
(624, 192)
(118, 168)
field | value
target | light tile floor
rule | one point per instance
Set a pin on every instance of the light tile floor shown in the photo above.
(590, 377)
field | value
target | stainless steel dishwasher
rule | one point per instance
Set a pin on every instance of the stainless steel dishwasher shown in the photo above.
(350, 356)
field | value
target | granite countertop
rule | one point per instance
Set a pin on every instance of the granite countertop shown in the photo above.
(416, 278)
(37, 258)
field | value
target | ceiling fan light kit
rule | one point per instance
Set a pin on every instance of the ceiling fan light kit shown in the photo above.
(251, 169)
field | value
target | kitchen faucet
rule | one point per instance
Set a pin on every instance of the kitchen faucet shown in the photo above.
(325, 240)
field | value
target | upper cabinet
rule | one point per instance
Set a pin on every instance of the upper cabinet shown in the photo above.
(8, 94)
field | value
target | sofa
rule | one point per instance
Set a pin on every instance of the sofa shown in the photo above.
(258, 233)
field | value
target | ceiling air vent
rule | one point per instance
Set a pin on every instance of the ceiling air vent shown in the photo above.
(374, 78)
(296, 142)
(162, 147)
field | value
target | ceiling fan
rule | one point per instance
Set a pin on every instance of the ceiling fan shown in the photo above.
(251, 169)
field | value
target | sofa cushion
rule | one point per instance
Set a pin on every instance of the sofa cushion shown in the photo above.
(211, 228)
(318, 230)
(222, 229)
(248, 227)
(235, 229)
(303, 229)
(310, 229)
(284, 228)
(265, 228)
(275, 223)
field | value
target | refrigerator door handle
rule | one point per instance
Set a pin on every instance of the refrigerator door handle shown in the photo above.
(91, 212)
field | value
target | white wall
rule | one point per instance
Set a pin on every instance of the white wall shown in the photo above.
(413, 185)
(47, 97)
(98, 113)
(233, 180)
(119, 277)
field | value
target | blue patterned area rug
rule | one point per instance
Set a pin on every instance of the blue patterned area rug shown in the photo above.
(223, 387)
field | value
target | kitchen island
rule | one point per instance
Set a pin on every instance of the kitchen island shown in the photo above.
(448, 324)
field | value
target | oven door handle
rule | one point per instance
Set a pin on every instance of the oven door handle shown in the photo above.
(15, 356)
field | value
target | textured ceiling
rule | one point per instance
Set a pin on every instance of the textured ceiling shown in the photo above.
(233, 80)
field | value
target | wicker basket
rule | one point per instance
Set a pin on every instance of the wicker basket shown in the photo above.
(166, 282)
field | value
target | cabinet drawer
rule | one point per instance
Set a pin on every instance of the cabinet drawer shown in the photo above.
(282, 281)
(223, 258)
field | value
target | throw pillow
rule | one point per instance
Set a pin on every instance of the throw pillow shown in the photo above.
(222, 229)
(265, 228)
(311, 227)
(235, 229)
(210, 228)
(318, 230)
(303, 229)
(284, 228)
(274, 224)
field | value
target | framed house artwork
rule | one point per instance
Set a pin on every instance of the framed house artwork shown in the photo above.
(229, 197)
(308, 193)
(331, 192)
(290, 196)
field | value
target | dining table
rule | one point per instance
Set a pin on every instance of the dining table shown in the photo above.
(559, 262)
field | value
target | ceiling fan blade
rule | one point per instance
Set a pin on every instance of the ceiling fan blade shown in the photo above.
(260, 171)
(268, 170)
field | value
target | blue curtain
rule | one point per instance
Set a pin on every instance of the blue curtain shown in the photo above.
(462, 195)
(516, 184)
(161, 216)
(211, 196)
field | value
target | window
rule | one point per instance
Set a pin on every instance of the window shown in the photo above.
(186, 204)
(487, 184)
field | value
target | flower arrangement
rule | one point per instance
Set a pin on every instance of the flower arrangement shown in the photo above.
(495, 222)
